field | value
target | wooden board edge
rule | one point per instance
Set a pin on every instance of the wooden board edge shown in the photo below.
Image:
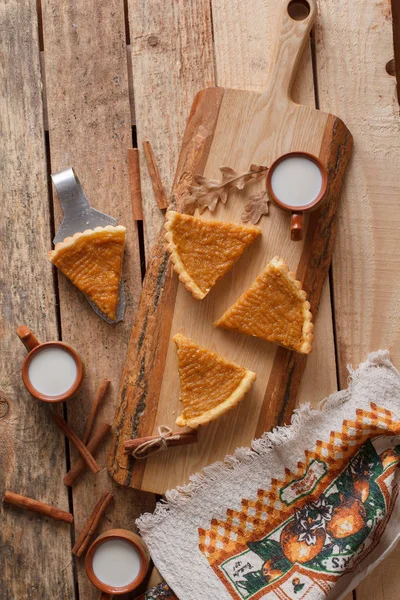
(143, 372)
(313, 269)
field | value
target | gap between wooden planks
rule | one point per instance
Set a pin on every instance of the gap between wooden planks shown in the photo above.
(32, 452)
(88, 116)
(354, 42)
(130, 86)
(89, 120)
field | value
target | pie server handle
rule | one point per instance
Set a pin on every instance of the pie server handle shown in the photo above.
(78, 215)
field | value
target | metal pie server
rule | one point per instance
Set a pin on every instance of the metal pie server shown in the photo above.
(78, 216)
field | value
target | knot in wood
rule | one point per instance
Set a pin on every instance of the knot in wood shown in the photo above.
(4, 406)
(152, 40)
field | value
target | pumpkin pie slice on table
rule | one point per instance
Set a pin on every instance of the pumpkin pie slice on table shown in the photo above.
(203, 251)
(274, 308)
(92, 260)
(210, 385)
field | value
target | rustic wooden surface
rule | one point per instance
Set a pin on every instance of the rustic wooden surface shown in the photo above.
(32, 453)
(246, 127)
(365, 288)
(172, 59)
(177, 49)
(90, 129)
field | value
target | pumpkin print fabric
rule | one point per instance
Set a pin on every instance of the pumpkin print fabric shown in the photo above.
(302, 514)
(325, 537)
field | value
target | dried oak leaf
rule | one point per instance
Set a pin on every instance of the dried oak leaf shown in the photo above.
(208, 192)
(257, 206)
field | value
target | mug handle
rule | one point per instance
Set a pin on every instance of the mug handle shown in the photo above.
(27, 338)
(296, 227)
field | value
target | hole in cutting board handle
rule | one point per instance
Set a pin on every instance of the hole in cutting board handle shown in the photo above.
(391, 68)
(298, 10)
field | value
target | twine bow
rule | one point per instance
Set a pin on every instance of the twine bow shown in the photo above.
(157, 444)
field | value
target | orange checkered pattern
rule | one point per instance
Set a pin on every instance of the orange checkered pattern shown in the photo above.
(258, 517)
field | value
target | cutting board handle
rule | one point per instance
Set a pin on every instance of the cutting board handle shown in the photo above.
(297, 20)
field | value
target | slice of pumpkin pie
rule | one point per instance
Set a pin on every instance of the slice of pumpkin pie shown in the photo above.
(274, 308)
(92, 260)
(210, 385)
(203, 251)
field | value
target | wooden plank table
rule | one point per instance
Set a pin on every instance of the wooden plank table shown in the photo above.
(66, 99)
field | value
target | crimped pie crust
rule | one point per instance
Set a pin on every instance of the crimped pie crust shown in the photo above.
(308, 336)
(92, 260)
(69, 241)
(230, 402)
(305, 346)
(221, 409)
(179, 267)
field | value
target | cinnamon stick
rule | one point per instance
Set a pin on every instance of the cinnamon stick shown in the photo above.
(79, 465)
(134, 184)
(184, 439)
(158, 188)
(37, 506)
(79, 445)
(101, 392)
(91, 524)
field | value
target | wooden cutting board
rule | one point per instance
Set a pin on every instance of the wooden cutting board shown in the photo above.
(232, 128)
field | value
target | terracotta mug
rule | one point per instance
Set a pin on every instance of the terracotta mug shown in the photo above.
(296, 227)
(108, 591)
(34, 347)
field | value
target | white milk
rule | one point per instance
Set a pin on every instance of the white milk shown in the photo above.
(52, 371)
(296, 181)
(116, 563)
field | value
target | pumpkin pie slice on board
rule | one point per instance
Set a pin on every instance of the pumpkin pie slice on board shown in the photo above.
(203, 251)
(274, 308)
(92, 260)
(210, 385)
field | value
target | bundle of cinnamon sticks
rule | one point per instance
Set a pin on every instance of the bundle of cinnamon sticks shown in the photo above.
(89, 444)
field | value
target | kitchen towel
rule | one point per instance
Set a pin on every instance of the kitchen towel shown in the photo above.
(304, 514)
